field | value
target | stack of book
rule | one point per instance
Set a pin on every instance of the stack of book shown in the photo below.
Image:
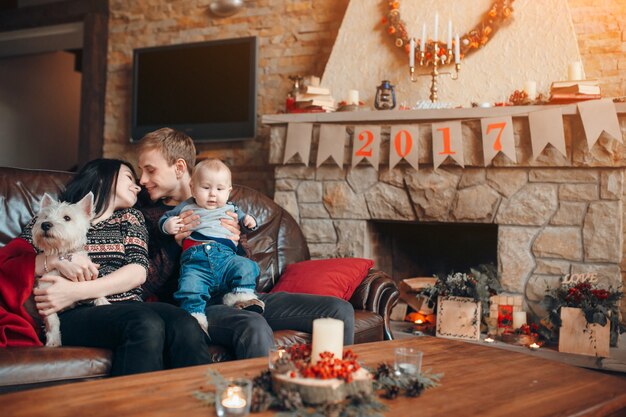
(314, 98)
(573, 91)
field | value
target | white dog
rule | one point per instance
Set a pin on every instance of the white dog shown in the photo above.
(61, 229)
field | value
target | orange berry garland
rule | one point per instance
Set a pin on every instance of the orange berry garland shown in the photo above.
(498, 14)
(327, 367)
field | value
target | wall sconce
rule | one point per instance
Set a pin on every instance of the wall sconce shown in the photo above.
(225, 8)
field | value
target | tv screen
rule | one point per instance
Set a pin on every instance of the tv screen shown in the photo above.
(206, 89)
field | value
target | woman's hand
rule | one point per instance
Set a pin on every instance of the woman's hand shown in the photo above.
(189, 222)
(233, 226)
(58, 293)
(79, 269)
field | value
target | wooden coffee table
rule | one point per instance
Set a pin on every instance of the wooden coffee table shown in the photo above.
(478, 380)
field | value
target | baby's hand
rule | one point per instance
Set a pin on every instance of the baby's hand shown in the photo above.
(173, 225)
(249, 222)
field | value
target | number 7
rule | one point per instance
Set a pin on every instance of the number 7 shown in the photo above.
(497, 146)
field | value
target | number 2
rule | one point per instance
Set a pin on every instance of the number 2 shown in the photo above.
(370, 138)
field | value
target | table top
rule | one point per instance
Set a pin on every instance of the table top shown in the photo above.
(477, 380)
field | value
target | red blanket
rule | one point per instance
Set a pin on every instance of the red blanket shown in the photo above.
(17, 275)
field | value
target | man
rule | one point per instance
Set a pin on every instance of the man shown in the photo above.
(166, 159)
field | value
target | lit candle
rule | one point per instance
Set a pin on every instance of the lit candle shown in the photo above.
(533, 346)
(449, 35)
(353, 97)
(457, 49)
(436, 31)
(489, 340)
(423, 40)
(531, 89)
(575, 71)
(412, 53)
(419, 321)
(519, 319)
(327, 337)
(234, 402)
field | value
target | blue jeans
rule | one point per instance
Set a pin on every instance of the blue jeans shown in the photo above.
(250, 334)
(210, 271)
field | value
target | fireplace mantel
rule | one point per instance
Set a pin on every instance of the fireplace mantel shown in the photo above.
(372, 116)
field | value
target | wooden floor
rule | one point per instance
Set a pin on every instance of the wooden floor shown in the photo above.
(477, 380)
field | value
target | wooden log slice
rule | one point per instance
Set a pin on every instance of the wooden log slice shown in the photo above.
(321, 391)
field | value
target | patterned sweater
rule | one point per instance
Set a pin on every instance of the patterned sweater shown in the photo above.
(120, 240)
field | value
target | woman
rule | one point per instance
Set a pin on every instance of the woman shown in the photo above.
(143, 336)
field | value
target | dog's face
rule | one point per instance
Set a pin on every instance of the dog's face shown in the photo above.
(62, 227)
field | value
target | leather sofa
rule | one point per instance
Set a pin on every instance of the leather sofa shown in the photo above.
(276, 244)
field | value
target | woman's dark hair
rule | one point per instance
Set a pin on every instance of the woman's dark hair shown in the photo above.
(98, 176)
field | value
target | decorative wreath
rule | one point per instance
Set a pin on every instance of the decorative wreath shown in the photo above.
(497, 15)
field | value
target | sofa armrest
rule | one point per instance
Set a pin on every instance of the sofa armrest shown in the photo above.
(377, 293)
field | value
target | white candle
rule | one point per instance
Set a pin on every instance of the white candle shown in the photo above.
(575, 71)
(449, 35)
(353, 97)
(531, 89)
(327, 337)
(412, 53)
(436, 31)
(519, 319)
(457, 49)
(423, 40)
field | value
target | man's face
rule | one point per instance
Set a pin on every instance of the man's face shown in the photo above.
(158, 178)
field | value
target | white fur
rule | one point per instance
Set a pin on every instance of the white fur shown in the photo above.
(61, 228)
(231, 298)
(202, 321)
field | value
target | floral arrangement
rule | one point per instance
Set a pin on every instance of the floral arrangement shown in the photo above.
(499, 12)
(480, 284)
(598, 305)
(385, 380)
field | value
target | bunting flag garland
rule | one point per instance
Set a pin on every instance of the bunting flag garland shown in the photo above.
(298, 141)
(447, 142)
(366, 145)
(599, 116)
(332, 141)
(404, 144)
(546, 126)
(498, 137)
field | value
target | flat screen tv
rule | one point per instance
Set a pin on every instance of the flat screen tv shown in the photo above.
(206, 89)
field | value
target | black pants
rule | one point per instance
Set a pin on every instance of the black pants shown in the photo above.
(143, 336)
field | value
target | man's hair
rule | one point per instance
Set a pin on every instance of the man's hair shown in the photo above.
(212, 164)
(172, 144)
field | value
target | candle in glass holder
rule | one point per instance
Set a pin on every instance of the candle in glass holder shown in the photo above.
(327, 337)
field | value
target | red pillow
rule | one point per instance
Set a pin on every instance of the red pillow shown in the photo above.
(338, 277)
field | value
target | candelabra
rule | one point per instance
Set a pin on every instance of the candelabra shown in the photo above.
(435, 59)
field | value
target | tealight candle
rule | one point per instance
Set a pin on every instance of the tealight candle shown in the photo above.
(234, 402)
(533, 346)
(327, 337)
(489, 340)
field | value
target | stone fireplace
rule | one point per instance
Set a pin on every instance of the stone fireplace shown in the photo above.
(551, 215)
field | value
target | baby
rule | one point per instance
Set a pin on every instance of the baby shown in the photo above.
(209, 264)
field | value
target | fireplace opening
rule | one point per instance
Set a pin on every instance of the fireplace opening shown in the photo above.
(407, 250)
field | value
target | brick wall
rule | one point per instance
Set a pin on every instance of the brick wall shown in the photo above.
(295, 37)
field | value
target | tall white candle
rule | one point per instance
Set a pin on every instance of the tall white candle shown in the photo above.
(457, 49)
(436, 31)
(423, 40)
(575, 71)
(531, 89)
(327, 337)
(449, 35)
(519, 319)
(353, 97)
(412, 53)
